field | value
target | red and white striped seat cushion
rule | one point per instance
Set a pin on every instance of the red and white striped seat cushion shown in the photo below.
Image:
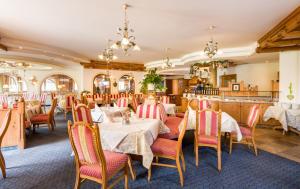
(38, 118)
(122, 102)
(204, 139)
(151, 111)
(165, 100)
(113, 163)
(173, 124)
(253, 115)
(69, 101)
(162, 146)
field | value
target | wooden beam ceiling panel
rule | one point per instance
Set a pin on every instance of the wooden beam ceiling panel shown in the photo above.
(284, 36)
(114, 66)
(3, 47)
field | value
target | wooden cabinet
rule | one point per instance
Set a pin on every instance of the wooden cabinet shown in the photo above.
(232, 108)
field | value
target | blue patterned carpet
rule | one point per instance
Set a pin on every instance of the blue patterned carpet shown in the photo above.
(47, 164)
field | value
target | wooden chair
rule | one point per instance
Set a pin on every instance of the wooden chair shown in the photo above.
(248, 132)
(69, 101)
(134, 103)
(122, 102)
(92, 163)
(3, 130)
(208, 132)
(47, 118)
(199, 105)
(165, 100)
(43, 99)
(170, 149)
(81, 113)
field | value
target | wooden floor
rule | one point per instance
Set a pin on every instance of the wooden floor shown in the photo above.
(273, 141)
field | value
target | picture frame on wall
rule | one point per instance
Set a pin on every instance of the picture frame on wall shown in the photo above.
(235, 87)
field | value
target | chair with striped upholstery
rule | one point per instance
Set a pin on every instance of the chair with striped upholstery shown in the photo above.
(53, 95)
(247, 131)
(47, 118)
(134, 103)
(170, 149)
(4, 101)
(172, 122)
(81, 113)
(43, 99)
(151, 111)
(165, 99)
(208, 132)
(3, 129)
(122, 102)
(69, 102)
(92, 163)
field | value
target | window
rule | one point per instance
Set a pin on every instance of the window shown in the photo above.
(59, 83)
(101, 84)
(11, 84)
(126, 84)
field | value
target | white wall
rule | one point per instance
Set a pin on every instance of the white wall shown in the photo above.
(89, 74)
(259, 74)
(289, 64)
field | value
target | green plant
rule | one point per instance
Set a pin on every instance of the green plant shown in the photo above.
(152, 78)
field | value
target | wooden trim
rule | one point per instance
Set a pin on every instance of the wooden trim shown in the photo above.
(127, 66)
(284, 36)
(3, 47)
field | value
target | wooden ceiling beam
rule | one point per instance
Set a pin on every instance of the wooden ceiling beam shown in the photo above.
(3, 47)
(286, 34)
(277, 49)
(114, 66)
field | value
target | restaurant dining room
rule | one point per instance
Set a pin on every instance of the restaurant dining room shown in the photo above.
(149, 94)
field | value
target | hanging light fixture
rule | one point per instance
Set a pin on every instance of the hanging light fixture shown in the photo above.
(166, 63)
(211, 48)
(127, 41)
(108, 54)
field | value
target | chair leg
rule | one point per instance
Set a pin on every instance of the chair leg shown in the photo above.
(219, 158)
(126, 177)
(49, 126)
(77, 181)
(183, 162)
(254, 146)
(196, 156)
(230, 144)
(156, 159)
(179, 171)
(149, 173)
(2, 165)
(131, 169)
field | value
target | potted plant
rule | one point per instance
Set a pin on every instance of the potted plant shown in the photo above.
(152, 82)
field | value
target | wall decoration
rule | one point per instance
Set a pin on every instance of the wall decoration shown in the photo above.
(290, 96)
(235, 87)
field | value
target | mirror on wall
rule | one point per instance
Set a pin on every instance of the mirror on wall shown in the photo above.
(59, 83)
(11, 84)
(101, 84)
(126, 84)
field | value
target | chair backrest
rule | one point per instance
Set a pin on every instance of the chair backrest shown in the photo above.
(52, 109)
(203, 105)
(76, 102)
(53, 95)
(253, 116)
(165, 99)
(4, 101)
(86, 144)
(82, 114)
(134, 103)
(69, 101)
(163, 113)
(208, 123)
(4, 125)
(182, 132)
(43, 98)
(151, 111)
(122, 102)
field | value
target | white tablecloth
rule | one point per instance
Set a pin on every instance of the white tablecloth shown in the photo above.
(107, 114)
(135, 138)
(170, 108)
(278, 113)
(229, 124)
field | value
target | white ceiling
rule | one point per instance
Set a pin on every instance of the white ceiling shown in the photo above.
(83, 26)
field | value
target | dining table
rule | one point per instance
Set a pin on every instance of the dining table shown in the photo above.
(133, 138)
(228, 124)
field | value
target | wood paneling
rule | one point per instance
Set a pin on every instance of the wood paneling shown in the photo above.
(283, 37)
(114, 66)
(232, 108)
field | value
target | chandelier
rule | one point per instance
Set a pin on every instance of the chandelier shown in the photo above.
(107, 55)
(127, 41)
(166, 63)
(211, 48)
